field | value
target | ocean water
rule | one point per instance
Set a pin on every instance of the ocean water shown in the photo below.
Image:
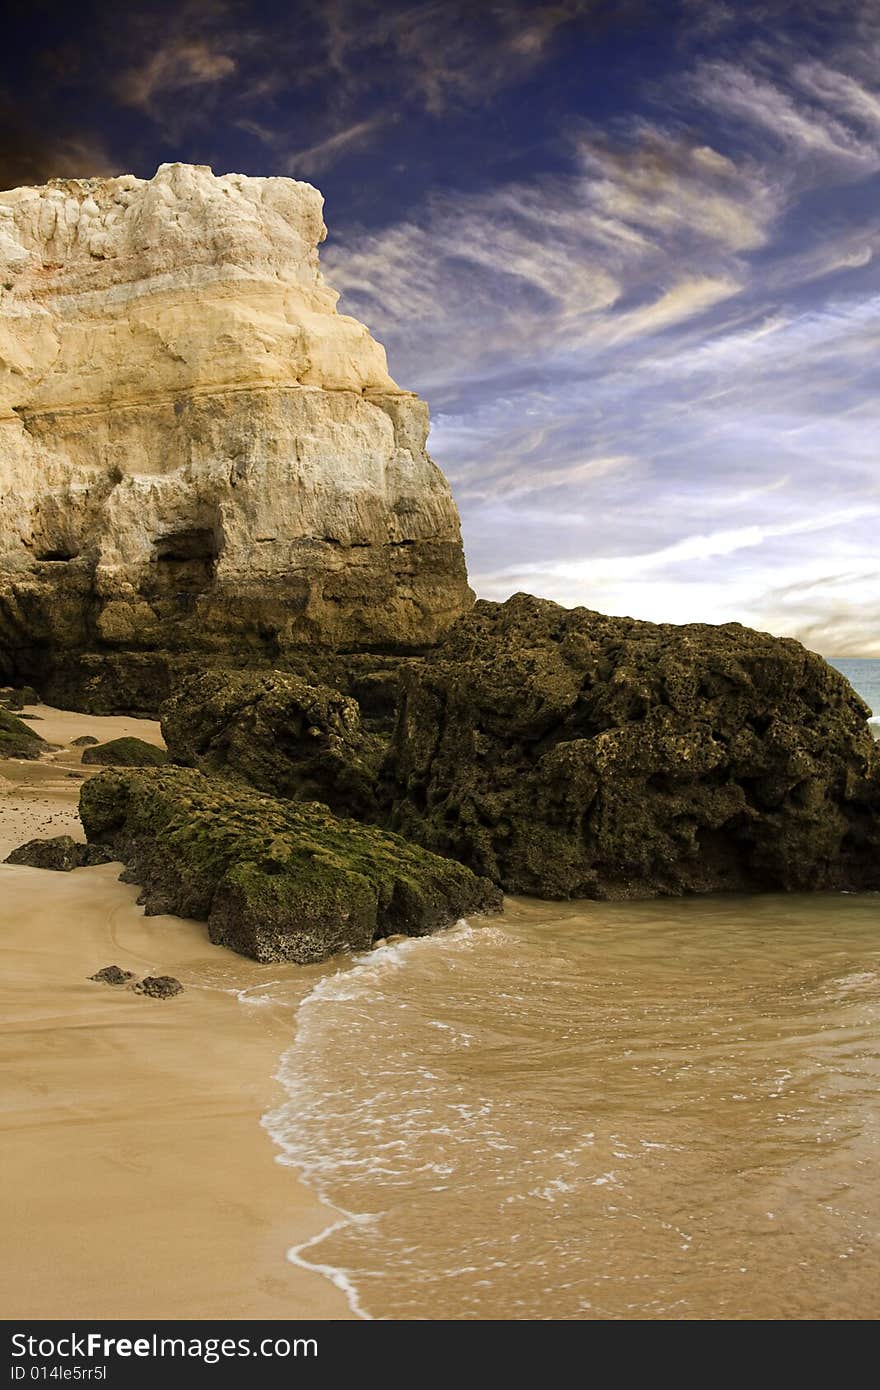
(863, 674)
(650, 1110)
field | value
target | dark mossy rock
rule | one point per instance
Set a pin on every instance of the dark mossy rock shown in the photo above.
(280, 733)
(95, 855)
(125, 752)
(108, 682)
(367, 677)
(18, 740)
(567, 754)
(84, 741)
(16, 697)
(112, 975)
(138, 683)
(61, 853)
(158, 986)
(275, 880)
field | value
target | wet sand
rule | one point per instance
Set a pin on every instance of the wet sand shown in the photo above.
(138, 1181)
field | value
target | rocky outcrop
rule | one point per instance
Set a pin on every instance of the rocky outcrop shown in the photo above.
(567, 754)
(197, 453)
(124, 752)
(275, 880)
(278, 732)
(61, 853)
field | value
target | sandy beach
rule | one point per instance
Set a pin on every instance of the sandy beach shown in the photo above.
(138, 1180)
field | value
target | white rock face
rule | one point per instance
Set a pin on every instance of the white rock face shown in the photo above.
(196, 449)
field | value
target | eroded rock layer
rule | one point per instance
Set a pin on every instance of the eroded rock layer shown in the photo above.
(197, 453)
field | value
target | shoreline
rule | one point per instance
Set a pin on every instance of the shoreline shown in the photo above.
(148, 1182)
(145, 1184)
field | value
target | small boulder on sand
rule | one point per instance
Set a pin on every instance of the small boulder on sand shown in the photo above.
(125, 752)
(112, 975)
(158, 986)
(61, 853)
(84, 741)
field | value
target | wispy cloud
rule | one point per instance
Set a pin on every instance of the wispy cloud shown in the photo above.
(676, 330)
(356, 63)
(315, 158)
(669, 184)
(690, 297)
(583, 261)
(839, 91)
(805, 130)
(448, 51)
(175, 67)
(602, 570)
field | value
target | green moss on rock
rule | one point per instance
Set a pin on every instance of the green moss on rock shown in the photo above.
(125, 752)
(275, 880)
(18, 740)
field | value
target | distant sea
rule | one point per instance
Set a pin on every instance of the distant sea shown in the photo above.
(863, 674)
(616, 1111)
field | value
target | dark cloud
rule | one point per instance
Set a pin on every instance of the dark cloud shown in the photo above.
(29, 155)
(298, 77)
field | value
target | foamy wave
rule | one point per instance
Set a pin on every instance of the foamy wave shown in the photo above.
(337, 1277)
(354, 984)
(355, 980)
(261, 994)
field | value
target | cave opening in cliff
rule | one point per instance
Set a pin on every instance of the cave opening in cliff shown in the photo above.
(57, 554)
(184, 561)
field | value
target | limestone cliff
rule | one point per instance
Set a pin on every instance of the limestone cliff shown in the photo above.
(197, 452)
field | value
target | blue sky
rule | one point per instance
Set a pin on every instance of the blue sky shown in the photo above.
(628, 252)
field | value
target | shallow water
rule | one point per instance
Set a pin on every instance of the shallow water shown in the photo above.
(631, 1110)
